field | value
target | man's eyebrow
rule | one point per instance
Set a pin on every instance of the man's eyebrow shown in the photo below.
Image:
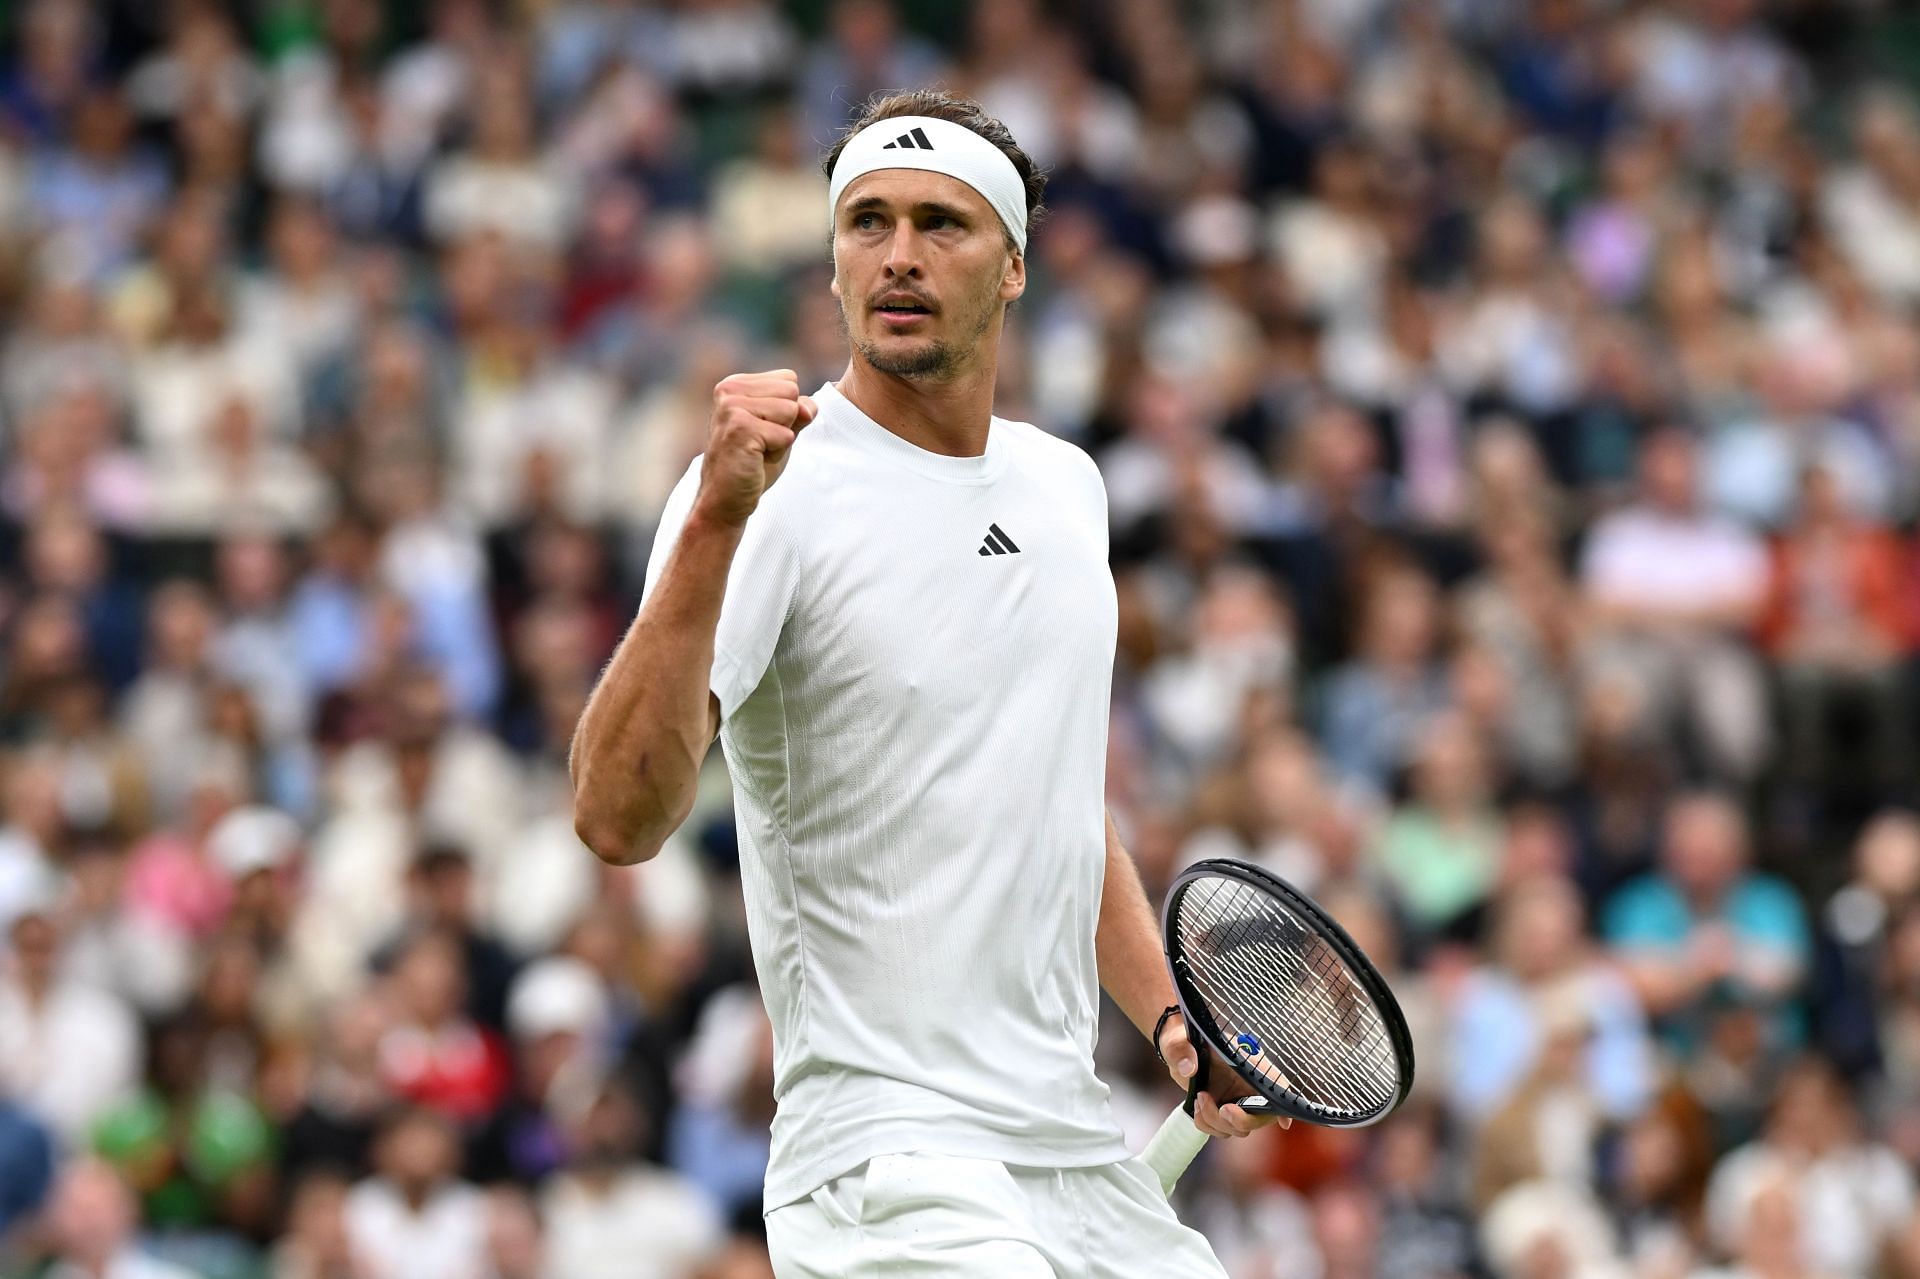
(869, 202)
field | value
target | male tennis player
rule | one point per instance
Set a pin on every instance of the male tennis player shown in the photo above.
(905, 647)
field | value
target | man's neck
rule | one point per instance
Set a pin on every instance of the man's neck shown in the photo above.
(950, 416)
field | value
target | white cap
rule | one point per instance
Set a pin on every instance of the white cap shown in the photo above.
(253, 837)
(554, 996)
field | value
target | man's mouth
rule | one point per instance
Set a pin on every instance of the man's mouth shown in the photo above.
(903, 307)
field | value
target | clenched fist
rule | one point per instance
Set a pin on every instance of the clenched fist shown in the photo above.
(755, 419)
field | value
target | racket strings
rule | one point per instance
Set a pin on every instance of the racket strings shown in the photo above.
(1314, 983)
(1312, 1069)
(1332, 1022)
(1246, 992)
(1319, 1031)
(1320, 1070)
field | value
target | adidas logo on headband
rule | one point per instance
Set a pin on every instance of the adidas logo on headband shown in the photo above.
(913, 140)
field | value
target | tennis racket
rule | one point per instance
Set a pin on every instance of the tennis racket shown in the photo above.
(1272, 984)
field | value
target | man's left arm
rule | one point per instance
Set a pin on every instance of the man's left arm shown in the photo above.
(1133, 970)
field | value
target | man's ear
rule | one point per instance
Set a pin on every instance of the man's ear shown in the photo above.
(1013, 282)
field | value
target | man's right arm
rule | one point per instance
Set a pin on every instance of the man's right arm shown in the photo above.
(636, 754)
(637, 751)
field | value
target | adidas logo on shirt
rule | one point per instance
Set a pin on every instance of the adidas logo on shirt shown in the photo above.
(998, 543)
(913, 140)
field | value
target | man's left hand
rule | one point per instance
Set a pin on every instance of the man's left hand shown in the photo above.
(1210, 1115)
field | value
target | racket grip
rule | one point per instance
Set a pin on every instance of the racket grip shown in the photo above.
(1174, 1147)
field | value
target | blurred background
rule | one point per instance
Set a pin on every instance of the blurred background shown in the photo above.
(1511, 415)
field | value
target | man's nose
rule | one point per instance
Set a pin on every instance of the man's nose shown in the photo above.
(903, 250)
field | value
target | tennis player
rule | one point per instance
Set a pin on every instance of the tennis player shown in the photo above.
(905, 646)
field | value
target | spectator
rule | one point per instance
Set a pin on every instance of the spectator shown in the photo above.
(200, 1154)
(1377, 705)
(1425, 1228)
(1440, 852)
(1545, 1130)
(100, 191)
(1705, 928)
(440, 893)
(304, 305)
(1826, 1171)
(610, 1211)
(1256, 1226)
(415, 1219)
(434, 1055)
(1526, 616)
(1836, 627)
(560, 1019)
(68, 1052)
(316, 1244)
(93, 1225)
(1545, 1228)
(756, 202)
(113, 947)
(1855, 931)
(33, 837)
(498, 183)
(1658, 1180)
(1675, 593)
(1873, 205)
(66, 554)
(865, 52)
(163, 714)
(346, 1093)
(1543, 962)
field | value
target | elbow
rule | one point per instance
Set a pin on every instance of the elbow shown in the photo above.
(617, 843)
(613, 844)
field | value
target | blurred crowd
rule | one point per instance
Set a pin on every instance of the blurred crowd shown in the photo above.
(1510, 411)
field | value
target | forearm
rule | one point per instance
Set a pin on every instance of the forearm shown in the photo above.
(1133, 966)
(640, 742)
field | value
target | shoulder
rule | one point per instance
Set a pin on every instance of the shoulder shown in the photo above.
(1647, 904)
(1040, 450)
(1769, 898)
(1044, 447)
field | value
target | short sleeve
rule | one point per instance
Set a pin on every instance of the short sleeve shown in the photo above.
(760, 588)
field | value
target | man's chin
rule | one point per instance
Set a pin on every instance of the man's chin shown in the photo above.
(910, 357)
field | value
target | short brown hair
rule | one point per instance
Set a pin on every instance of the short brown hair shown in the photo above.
(964, 112)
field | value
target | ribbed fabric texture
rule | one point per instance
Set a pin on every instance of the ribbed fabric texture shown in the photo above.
(917, 738)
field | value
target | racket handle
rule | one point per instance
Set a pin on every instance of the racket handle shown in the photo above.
(1174, 1147)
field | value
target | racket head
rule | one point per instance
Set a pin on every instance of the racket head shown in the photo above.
(1277, 989)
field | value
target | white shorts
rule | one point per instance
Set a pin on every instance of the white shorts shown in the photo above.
(950, 1216)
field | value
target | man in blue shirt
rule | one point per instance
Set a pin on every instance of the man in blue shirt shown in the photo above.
(1705, 931)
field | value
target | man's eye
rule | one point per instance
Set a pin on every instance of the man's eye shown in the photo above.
(866, 222)
(939, 220)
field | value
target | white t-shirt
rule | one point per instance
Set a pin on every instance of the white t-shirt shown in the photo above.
(915, 718)
(649, 1224)
(445, 1239)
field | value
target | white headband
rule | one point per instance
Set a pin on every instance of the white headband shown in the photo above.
(938, 146)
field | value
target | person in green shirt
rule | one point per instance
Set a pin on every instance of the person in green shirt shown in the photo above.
(1441, 851)
(198, 1156)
